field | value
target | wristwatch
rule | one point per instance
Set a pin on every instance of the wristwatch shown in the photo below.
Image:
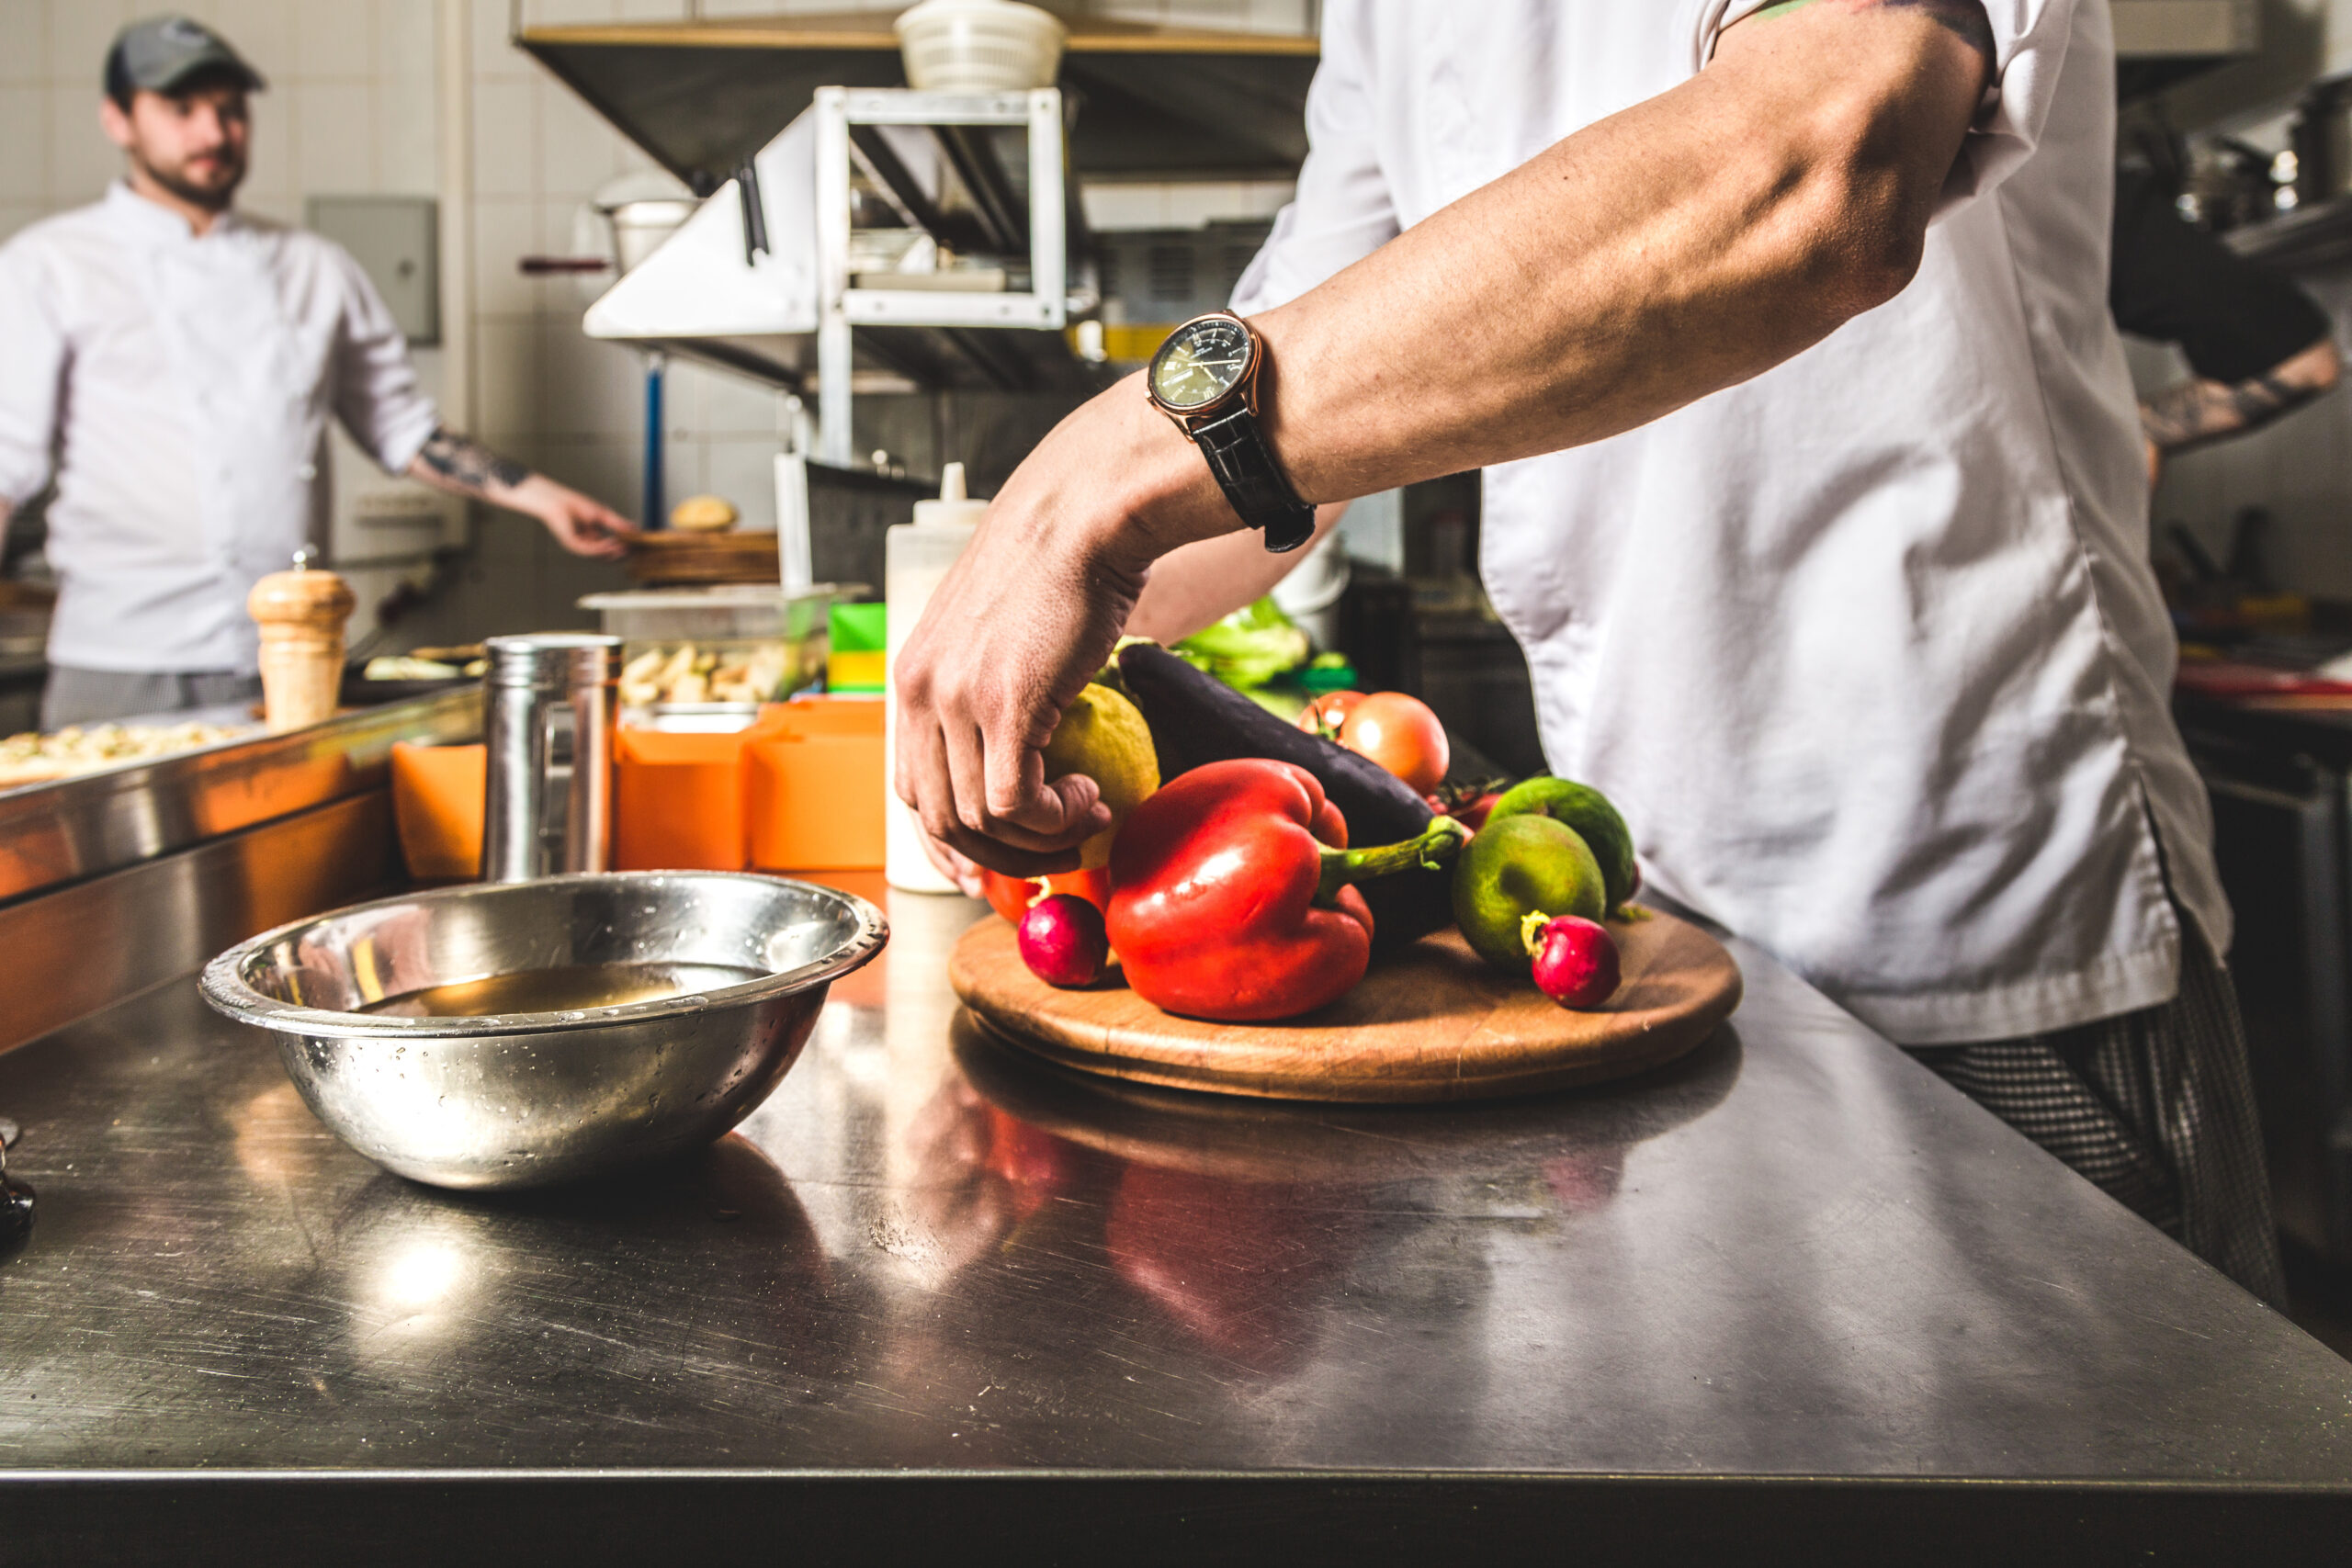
(1205, 378)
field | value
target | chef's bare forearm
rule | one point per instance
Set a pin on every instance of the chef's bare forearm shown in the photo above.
(463, 466)
(1679, 247)
(1205, 582)
(2200, 411)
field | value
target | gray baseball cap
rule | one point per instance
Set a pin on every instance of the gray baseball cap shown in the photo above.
(162, 52)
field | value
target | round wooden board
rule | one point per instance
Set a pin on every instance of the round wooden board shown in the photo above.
(1430, 1023)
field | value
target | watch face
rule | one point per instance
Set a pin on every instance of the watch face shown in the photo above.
(1200, 362)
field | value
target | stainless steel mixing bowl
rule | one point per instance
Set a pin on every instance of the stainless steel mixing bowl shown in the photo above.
(525, 1099)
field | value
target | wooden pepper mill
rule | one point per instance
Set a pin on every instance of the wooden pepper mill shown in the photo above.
(301, 615)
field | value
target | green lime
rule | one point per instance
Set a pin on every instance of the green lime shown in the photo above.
(1596, 821)
(1520, 866)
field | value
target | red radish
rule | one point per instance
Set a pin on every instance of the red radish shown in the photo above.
(1063, 941)
(1576, 961)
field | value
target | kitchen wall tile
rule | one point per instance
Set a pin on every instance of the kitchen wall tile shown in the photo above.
(494, 51)
(24, 143)
(336, 37)
(683, 386)
(604, 469)
(408, 135)
(506, 229)
(335, 154)
(407, 42)
(569, 226)
(80, 159)
(743, 471)
(79, 34)
(577, 148)
(261, 30)
(506, 374)
(567, 12)
(686, 470)
(276, 206)
(24, 42)
(505, 138)
(592, 388)
(738, 406)
(269, 179)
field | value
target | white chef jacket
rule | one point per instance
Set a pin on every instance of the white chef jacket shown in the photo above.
(1866, 648)
(179, 387)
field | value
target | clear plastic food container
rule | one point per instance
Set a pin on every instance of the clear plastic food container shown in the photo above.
(736, 643)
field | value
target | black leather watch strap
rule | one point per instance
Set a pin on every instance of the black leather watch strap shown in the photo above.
(1243, 463)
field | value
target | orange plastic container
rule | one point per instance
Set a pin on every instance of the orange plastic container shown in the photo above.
(813, 786)
(436, 807)
(678, 801)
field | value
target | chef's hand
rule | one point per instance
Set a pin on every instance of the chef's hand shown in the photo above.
(1025, 619)
(582, 525)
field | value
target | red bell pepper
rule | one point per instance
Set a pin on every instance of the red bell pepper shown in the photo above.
(1232, 896)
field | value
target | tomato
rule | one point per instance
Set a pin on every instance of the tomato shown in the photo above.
(1326, 712)
(1011, 896)
(1400, 734)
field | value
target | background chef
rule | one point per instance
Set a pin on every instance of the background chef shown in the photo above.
(172, 363)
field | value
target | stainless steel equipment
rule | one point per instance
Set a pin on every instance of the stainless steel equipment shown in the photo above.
(530, 678)
(731, 971)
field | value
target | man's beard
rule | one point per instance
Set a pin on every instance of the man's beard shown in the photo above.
(206, 196)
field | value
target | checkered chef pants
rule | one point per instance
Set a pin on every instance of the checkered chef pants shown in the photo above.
(2155, 1106)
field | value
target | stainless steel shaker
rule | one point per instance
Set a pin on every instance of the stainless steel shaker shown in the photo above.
(531, 680)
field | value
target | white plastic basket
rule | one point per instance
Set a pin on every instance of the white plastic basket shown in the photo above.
(978, 46)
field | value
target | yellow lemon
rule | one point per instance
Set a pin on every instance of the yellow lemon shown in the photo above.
(1104, 736)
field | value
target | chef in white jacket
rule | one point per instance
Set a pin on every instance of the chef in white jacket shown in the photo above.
(1813, 492)
(172, 363)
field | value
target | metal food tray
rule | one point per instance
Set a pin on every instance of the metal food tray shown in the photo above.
(118, 817)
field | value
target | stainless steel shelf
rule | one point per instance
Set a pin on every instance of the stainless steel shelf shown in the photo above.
(701, 96)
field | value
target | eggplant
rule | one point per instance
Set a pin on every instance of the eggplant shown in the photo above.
(1196, 718)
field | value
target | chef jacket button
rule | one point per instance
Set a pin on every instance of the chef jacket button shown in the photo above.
(307, 471)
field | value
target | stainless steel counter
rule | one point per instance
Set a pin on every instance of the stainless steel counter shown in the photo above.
(936, 1293)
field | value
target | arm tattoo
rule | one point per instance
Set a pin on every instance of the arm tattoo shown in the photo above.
(1964, 19)
(467, 464)
(2198, 412)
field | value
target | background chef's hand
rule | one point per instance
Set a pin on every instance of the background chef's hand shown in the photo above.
(1025, 619)
(582, 525)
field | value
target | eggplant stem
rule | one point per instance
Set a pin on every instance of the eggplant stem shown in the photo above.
(1437, 846)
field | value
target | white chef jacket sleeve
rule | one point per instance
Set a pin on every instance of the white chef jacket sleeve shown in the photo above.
(32, 367)
(2030, 40)
(1342, 212)
(375, 394)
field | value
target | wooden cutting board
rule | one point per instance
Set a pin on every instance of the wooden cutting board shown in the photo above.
(1431, 1024)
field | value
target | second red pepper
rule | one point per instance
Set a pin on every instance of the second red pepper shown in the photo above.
(1230, 895)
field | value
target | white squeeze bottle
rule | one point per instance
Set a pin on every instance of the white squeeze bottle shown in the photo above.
(916, 556)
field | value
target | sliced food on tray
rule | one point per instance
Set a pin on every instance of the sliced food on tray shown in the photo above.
(31, 758)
